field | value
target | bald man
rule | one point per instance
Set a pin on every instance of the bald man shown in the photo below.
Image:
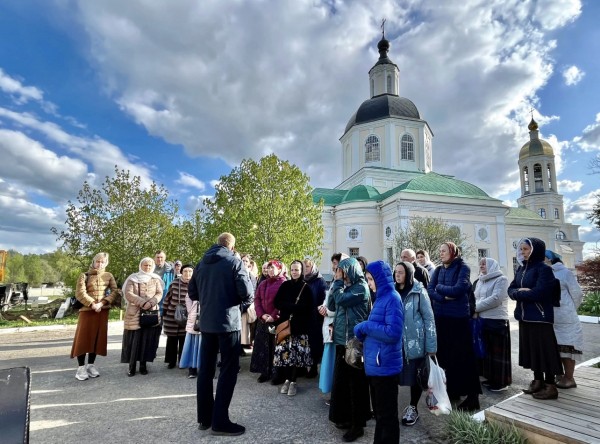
(421, 273)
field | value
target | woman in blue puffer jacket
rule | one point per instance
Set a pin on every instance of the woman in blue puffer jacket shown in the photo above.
(382, 337)
(533, 288)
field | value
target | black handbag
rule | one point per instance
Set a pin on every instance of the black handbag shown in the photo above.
(149, 318)
(181, 315)
(423, 373)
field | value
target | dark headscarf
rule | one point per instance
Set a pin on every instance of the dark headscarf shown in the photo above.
(409, 280)
(301, 278)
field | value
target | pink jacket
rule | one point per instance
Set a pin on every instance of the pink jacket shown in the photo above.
(264, 299)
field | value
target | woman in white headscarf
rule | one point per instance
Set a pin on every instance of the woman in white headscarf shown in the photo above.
(491, 305)
(143, 291)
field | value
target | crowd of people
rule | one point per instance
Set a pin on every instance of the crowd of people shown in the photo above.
(296, 324)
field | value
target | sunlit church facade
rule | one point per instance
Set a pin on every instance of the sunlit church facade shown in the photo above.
(387, 179)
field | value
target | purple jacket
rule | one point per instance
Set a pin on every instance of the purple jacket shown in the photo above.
(264, 298)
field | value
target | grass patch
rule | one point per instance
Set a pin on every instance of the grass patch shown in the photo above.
(461, 428)
(30, 314)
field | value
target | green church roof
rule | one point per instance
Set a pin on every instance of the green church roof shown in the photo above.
(523, 213)
(430, 183)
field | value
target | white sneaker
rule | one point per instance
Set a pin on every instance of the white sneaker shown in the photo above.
(292, 390)
(92, 371)
(410, 416)
(82, 373)
(285, 387)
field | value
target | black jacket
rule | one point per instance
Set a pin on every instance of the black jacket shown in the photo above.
(285, 302)
(221, 284)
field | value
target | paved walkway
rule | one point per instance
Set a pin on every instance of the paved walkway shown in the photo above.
(161, 407)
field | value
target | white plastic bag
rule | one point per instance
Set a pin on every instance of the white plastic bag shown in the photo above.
(437, 398)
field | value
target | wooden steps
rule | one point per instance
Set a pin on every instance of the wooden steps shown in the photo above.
(572, 418)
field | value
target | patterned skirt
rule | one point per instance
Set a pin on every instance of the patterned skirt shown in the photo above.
(293, 351)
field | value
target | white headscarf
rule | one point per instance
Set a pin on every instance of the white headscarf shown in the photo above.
(493, 269)
(141, 277)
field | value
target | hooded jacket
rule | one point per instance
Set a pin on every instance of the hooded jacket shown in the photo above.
(351, 303)
(491, 294)
(382, 332)
(533, 284)
(220, 283)
(449, 290)
(419, 324)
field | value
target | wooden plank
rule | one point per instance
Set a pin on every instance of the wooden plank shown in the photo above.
(25, 319)
(554, 433)
(559, 415)
(568, 406)
(571, 395)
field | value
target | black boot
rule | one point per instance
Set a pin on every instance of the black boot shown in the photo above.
(143, 369)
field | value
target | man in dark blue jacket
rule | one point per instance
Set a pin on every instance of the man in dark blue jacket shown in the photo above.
(220, 284)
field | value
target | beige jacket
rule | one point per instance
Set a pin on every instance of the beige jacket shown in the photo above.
(99, 283)
(136, 295)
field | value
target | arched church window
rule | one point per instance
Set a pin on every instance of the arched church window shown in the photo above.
(372, 149)
(560, 235)
(407, 150)
(556, 213)
(389, 83)
(526, 179)
(542, 213)
(537, 178)
(549, 177)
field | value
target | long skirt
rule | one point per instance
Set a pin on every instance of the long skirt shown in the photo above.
(315, 338)
(496, 366)
(245, 338)
(293, 351)
(350, 401)
(456, 356)
(327, 367)
(538, 350)
(190, 356)
(263, 351)
(140, 345)
(91, 333)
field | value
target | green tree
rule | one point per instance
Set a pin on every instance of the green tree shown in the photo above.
(268, 206)
(15, 267)
(123, 218)
(428, 233)
(594, 216)
(34, 270)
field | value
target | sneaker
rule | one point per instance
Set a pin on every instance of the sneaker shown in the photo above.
(192, 373)
(410, 416)
(82, 373)
(494, 388)
(292, 390)
(285, 387)
(92, 371)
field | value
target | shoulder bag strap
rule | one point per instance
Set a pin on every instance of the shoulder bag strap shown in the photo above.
(297, 299)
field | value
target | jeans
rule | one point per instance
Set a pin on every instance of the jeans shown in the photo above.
(215, 411)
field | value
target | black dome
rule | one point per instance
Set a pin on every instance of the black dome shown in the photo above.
(381, 107)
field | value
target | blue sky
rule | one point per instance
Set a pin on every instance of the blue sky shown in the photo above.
(179, 92)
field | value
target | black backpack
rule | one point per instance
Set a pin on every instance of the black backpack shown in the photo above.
(75, 303)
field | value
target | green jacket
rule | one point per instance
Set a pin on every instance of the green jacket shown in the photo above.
(351, 303)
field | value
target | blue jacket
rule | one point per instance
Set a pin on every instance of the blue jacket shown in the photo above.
(220, 283)
(419, 324)
(382, 332)
(351, 303)
(449, 290)
(534, 303)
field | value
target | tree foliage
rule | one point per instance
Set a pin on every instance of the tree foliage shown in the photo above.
(268, 206)
(428, 233)
(123, 218)
(588, 274)
(594, 216)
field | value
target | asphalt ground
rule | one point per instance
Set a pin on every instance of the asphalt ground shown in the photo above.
(161, 407)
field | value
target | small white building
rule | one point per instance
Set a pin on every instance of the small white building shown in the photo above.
(387, 179)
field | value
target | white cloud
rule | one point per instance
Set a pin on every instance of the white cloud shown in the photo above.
(577, 210)
(569, 186)
(22, 94)
(193, 203)
(214, 183)
(572, 75)
(230, 84)
(28, 163)
(590, 137)
(187, 180)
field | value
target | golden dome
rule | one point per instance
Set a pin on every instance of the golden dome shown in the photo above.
(536, 147)
(533, 126)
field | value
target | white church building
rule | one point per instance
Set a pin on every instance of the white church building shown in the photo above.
(387, 179)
